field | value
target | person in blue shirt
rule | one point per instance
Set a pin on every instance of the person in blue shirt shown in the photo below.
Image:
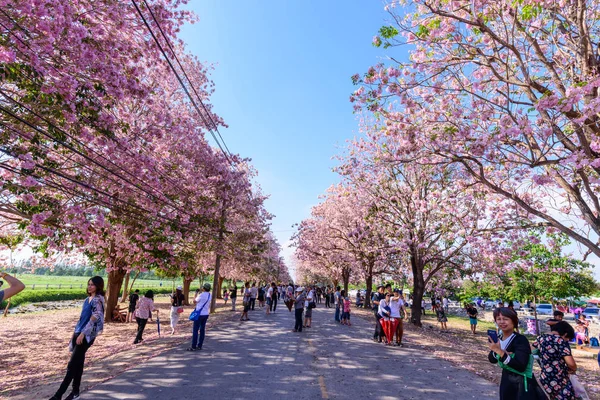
(90, 325)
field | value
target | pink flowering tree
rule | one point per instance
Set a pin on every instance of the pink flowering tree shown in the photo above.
(507, 92)
(437, 222)
(340, 238)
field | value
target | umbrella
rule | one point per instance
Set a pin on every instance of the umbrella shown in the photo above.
(157, 323)
(393, 326)
(385, 325)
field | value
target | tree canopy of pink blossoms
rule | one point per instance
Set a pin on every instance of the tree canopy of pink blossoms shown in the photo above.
(507, 92)
(104, 152)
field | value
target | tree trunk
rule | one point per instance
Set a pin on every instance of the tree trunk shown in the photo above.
(418, 289)
(186, 290)
(217, 276)
(220, 287)
(367, 303)
(115, 281)
(346, 278)
(126, 287)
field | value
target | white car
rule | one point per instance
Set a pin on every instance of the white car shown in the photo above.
(592, 313)
(544, 309)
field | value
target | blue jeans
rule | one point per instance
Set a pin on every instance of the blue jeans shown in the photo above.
(199, 325)
(337, 313)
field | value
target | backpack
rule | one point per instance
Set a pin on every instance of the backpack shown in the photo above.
(594, 342)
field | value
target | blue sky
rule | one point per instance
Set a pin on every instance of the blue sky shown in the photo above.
(283, 85)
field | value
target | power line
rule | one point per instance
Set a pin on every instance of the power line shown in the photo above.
(168, 42)
(162, 50)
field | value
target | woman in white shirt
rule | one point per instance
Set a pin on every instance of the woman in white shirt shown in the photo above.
(202, 302)
(397, 314)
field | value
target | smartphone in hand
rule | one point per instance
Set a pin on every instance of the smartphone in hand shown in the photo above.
(493, 335)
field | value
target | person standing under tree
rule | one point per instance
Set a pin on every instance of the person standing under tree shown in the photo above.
(299, 309)
(202, 302)
(337, 302)
(133, 299)
(233, 296)
(89, 326)
(274, 297)
(253, 295)
(472, 313)
(246, 302)
(177, 300)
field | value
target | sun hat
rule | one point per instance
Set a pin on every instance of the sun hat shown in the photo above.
(179, 287)
(299, 289)
(206, 286)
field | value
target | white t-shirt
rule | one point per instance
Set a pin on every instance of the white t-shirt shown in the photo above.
(445, 302)
(382, 304)
(254, 291)
(203, 303)
(336, 298)
(395, 306)
(270, 293)
(310, 298)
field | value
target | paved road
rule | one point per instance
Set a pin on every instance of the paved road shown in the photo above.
(264, 359)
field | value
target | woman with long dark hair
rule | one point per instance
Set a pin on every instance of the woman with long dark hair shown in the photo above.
(90, 325)
(177, 300)
(511, 351)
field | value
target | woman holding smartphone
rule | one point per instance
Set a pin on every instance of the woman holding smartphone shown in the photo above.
(512, 351)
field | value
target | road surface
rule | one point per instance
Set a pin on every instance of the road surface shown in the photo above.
(264, 359)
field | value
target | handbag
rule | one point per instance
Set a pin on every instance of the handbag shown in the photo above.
(578, 388)
(312, 304)
(195, 315)
(179, 310)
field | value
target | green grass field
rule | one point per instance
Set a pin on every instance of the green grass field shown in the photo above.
(65, 282)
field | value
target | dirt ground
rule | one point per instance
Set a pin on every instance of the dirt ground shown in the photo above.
(34, 348)
(463, 349)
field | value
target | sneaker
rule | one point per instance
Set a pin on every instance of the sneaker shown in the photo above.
(72, 396)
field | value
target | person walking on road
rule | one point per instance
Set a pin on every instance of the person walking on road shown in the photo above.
(397, 314)
(261, 297)
(143, 312)
(309, 304)
(377, 297)
(246, 302)
(328, 297)
(202, 302)
(337, 302)
(253, 295)
(299, 309)
(177, 300)
(89, 326)
(233, 296)
(274, 297)
(345, 309)
(270, 293)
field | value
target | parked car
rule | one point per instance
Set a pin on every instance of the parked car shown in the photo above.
(592, 313)
(544, 309)
(516, 304)
(490, 304)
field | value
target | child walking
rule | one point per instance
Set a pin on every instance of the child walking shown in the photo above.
(346, 310)
(226, 296)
